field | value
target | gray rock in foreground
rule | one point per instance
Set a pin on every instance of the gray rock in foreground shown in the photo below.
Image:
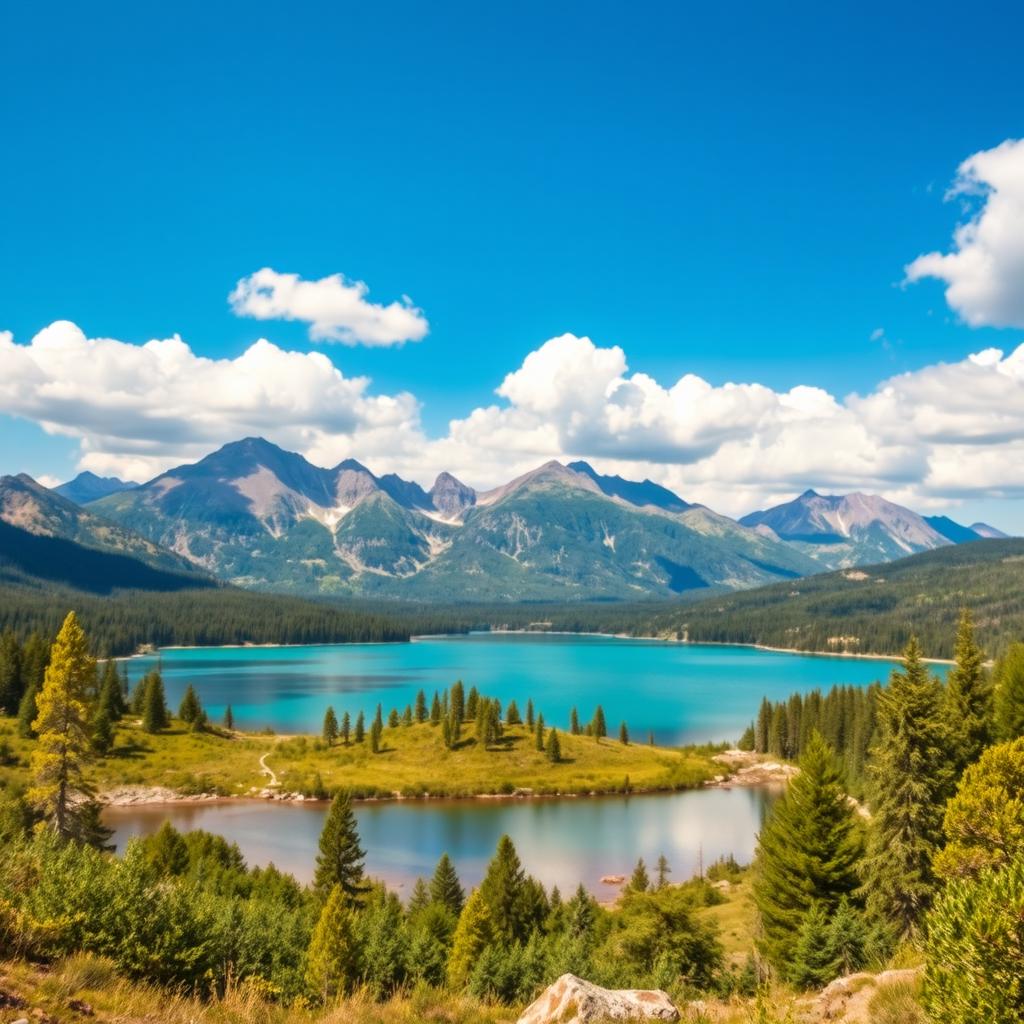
(571, 1000)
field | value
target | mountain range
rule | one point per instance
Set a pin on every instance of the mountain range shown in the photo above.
(257, 516)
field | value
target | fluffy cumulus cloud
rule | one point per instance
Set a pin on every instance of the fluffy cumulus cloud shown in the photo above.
(984, 272)
(139, 409)
(928, 438)
(334, 308)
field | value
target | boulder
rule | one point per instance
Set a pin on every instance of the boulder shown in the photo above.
(571, 1000)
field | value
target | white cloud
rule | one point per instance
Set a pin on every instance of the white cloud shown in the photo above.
(335, 309)
(929, 438)
(139, 409)
(984, 273)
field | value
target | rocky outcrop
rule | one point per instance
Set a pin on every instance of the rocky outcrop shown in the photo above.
(847, 1000)
(571, 1000)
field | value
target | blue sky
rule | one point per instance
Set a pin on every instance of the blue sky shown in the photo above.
(732, 192)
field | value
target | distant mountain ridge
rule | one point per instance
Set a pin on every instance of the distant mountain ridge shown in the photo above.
(88, 487)
(261, 517)
(841, 531)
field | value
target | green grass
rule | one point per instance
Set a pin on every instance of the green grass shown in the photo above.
(413, 761)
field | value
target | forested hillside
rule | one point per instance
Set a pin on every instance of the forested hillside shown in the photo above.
(875, 609)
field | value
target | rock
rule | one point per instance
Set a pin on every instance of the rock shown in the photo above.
(612, 879)
(80, 1006)
(846, 999)
(21, 1020)
(571, 1000)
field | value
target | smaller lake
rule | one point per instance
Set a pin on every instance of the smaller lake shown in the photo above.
(561, 842)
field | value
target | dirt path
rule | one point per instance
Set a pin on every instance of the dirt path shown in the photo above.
(265, 769)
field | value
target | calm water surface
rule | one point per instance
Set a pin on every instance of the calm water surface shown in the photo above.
(561, 842)
(682, 693)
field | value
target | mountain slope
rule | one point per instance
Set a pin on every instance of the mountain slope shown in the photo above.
(88, 487)
(34, 509)
(260, 517)
(873, 609)
(845, 530)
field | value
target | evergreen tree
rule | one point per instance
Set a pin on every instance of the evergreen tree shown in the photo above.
(27, 712)
(746, 741)
(421, 708)
(340, 860)
(849, 938)
(435, 710)
(512, 716)
(473, 934)
(639, 881)
(155, 716)
(529, 714)
(376, 732)
(505, 893)
(11, 676)
(330, 727)
(814, 960)
(600, 730)
(445, 888)
(419, 900)
(111, 698)
(574, 723)
(458, 702)
(553, 748)
(229, 718)
(166, 852)
(807, 854)
(763, 726)
(346, 728)
(663, 872)
(624, 734)
(911, 779)
(1009, 699)
(471, 703)
(360, 730)
(394, 720)
(446, 734)
(969, 705)
(407, 715)
(189, 710)
(538, 736)
(378, 718)
(332, 963)
(64, 746)
(102, 730)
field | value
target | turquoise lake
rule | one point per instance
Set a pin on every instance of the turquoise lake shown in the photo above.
(682, 693)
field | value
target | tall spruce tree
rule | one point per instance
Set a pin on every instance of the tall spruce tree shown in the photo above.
(420, 711)
(340, 858)
(359, 734)
(911, 778)
(445, 888)
(458, 701)
(332, 963)
(330, 727)
(504, 892)
(574, 723)
(599, 728)
(473, 934)
(111, 697)
(64, 747)
(969, 705)
(346, 728)
(639, 881)
(1009, 700)
(553, 747)
(807, 854)
(190, 708)
(663, 872)
(624, 734)
(155, 716)
(229, 718)
(12, 682)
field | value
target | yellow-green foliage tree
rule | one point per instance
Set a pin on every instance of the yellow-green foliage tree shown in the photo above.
(984, 822)
(64, 747)
(474, 932)
(332, 963)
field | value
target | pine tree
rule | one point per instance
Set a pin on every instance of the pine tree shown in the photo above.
(419, 899)
(512, 716)
(435, 710)
(445, 889)
(538, 736)
(332, 963)
(849, 938)
(600, 730)
(378, 718)
(12, 681)
(504, 891)
(394, 719)
(446, 734)
(553, 748)
(639, 881)
(229, 718)
(111, 697)
(27, 712)
(189, 710)
(624, 735)
(763, 726)
(529, 714)
(102, 730)
(814, 961)
(574, 723)
(458, 701)
(421, 708)
(340, 860)
(473, 934)
(154, 705)
(1009, 677)
(360, 730)
(911, 780)
(807, 853)
(407, 715)
(330, 727)
(663, 872)
(376, 731)
(346, 728)
(471, 703)
(969, 705)
(64, 747)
